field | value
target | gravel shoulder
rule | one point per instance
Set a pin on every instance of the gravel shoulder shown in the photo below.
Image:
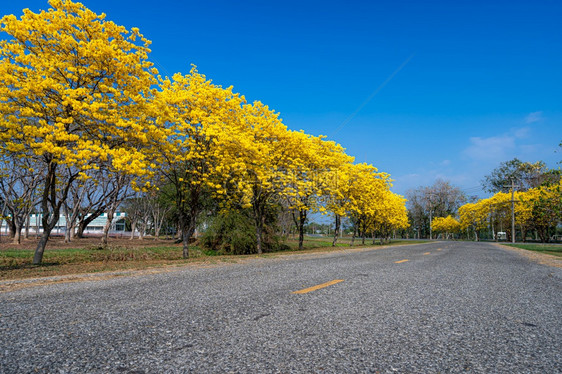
(540, 258)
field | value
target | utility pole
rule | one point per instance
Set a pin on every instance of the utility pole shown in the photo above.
(512, 209)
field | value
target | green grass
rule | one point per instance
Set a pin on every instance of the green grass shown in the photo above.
(13, 258)
(551, 249)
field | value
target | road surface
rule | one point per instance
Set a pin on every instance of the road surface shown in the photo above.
(444, 307)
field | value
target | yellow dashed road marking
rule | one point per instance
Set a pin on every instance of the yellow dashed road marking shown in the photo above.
(427, 253)
(310, 289)
(399, 262)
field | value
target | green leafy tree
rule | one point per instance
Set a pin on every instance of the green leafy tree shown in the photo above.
(524, 174)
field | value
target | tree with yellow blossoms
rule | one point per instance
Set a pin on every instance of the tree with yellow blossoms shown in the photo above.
(202, 120)
(73, 88)
(315, 163)
(367, 193)
(536, 209)
(264, 167)
(390, 214)
(541, 208)
(474, 216)
(446, 225)
(338, 184)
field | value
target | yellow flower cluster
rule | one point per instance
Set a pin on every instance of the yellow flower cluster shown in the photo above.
(446, 225)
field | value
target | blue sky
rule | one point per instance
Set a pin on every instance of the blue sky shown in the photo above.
(456, 87)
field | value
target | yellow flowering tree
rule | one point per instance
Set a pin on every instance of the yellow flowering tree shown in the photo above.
(72, 91)
(315, 162)
(475, 216)
(337, 186)
(203, 133)
(534, 209)
(390, 214)
(541, 208)
(265, 171)
(447, 225)
(366, 193)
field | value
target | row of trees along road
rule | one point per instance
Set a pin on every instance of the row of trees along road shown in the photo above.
(87, 122)
(537, 198)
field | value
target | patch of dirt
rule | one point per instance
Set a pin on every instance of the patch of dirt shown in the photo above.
(57, 242)
(541, 258)
(145, 268)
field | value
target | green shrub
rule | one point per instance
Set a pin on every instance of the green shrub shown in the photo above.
(234, 232)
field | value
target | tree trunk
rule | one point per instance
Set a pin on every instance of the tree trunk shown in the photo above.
(185, 241)
(50, 206)
(302, 220)
(17, 232)
(107, 227)
(133, 228)
(258, 209)
(27, 224)
(37, 226)
(188, 223)
(543, 234)
(11, 226)
(259, 239)
(68, 225)
(353, 237)
(260, 223)
(337, 230)
(299, 225)
(523, 233)
(38, 256)
(81, 227)
(73, 231)
(157, 229)
(85, 221)
(49, 219)
(187, 233)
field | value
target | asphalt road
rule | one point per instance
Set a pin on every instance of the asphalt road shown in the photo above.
(450, 308)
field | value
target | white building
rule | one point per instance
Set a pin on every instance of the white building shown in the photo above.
(95, 227)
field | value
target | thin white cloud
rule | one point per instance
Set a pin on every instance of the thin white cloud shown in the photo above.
(534, 117)
(523, 132)
(490, 149)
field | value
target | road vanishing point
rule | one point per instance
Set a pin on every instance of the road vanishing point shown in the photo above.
(441, 307)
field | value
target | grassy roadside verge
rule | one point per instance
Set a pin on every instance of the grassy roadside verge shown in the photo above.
(551, 249)
(16, 263)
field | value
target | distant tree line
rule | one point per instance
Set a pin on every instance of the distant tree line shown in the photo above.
(537, 197)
